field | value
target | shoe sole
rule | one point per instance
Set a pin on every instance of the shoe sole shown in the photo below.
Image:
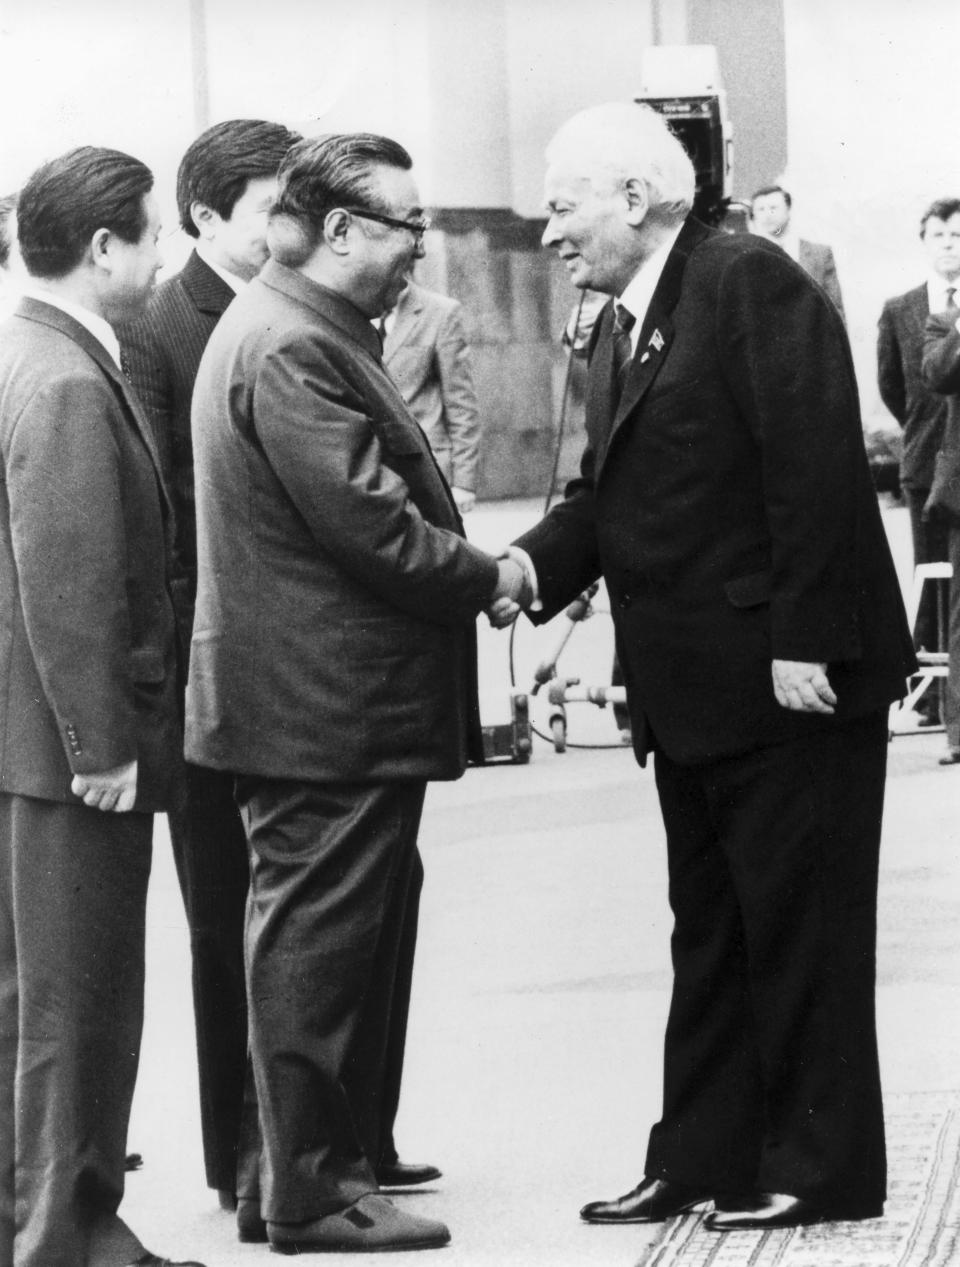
(325, 1247)
(662, 1218)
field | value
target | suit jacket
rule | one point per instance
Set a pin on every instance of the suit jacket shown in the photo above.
(87, 645)
(727, 501)
(427, 356)
(335, 629)
(940, 368)
(920, 411)
(162, 353)
(817, 260)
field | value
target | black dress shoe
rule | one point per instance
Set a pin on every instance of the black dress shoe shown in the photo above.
(399, 1174)
(780, 1209)
(651, 1201)
(950, 757)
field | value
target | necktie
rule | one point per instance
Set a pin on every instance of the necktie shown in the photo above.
(623, 323)
(951, 299)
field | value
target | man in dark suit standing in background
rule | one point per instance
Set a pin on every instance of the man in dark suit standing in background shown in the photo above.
(920, 411)
(226, 183)
(941, 373)
(771, 209)
(426, 354)
(726, 499)
(332, 670)
(89, 731)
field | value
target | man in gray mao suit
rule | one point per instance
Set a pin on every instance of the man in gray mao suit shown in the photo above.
(332, 668)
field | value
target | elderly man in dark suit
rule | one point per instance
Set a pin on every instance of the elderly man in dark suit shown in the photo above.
(332, 669)
(426, 354)
(725, 497)
(920, 411)
(89, 730)
(771, 210)
(226, 183)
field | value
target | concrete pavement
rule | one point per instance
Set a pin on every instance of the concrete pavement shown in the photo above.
(543, 976)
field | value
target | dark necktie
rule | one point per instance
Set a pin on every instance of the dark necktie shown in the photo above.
(623, 323)
(951, 299)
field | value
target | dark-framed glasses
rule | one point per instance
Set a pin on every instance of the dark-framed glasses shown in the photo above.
(417, 227)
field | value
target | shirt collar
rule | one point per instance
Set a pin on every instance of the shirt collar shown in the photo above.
(937, 288)
(639, 290)
(236, 284)
(100, 328)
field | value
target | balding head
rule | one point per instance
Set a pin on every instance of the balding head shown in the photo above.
(623, 140)
(618, 183)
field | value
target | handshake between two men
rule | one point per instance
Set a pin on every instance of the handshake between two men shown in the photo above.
(514, 591)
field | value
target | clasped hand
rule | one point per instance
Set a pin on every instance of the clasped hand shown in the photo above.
(109, 790)
(512, 593)
(803, 687)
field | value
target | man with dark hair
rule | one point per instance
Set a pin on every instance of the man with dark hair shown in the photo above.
(225, 184)
(770, 211)
(90, 735)
(725, 497)
(332, 670)
(921, 411)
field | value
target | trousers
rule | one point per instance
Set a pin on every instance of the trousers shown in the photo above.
(335, 875)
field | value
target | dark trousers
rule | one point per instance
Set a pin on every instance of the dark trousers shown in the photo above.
(771, 1078)
(73, 887)
(951, 712)
(331, 930)
(210, 851)
(929, 546)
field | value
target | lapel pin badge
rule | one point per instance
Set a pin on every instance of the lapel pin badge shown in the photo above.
(656, 340)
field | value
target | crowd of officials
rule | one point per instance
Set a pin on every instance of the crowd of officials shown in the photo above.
(235, 588)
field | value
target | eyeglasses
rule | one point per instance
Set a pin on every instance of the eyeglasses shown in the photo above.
(417, 227)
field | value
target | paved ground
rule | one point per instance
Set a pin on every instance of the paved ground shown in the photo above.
(543, 977)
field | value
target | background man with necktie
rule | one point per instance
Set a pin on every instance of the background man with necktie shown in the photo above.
(726, 499)
(920, 411)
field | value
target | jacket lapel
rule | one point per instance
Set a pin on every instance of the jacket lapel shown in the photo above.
(209, 292)
(653, 345)
(50, 315)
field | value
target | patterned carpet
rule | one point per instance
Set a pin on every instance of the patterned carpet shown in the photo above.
(920, 1226)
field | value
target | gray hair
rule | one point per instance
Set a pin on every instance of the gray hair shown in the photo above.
(623, 141)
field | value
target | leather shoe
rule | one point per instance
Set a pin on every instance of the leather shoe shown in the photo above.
(152, 1260)
(651, 1201)
(400, 1174)
(251, 1227)
(369, 1225)
(778, 1209)
(950, 757)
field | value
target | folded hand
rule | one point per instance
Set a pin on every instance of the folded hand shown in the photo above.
(109, 790)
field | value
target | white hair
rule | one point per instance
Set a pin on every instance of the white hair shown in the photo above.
(626, 140)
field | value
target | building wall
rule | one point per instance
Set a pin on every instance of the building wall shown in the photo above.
(870, 146)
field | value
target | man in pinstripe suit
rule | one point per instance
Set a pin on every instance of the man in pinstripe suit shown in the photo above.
(225, 185)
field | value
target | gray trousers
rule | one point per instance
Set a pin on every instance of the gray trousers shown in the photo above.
(73, 889)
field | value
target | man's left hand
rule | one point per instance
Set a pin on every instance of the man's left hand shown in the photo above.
(464, 498)
(803, 687)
